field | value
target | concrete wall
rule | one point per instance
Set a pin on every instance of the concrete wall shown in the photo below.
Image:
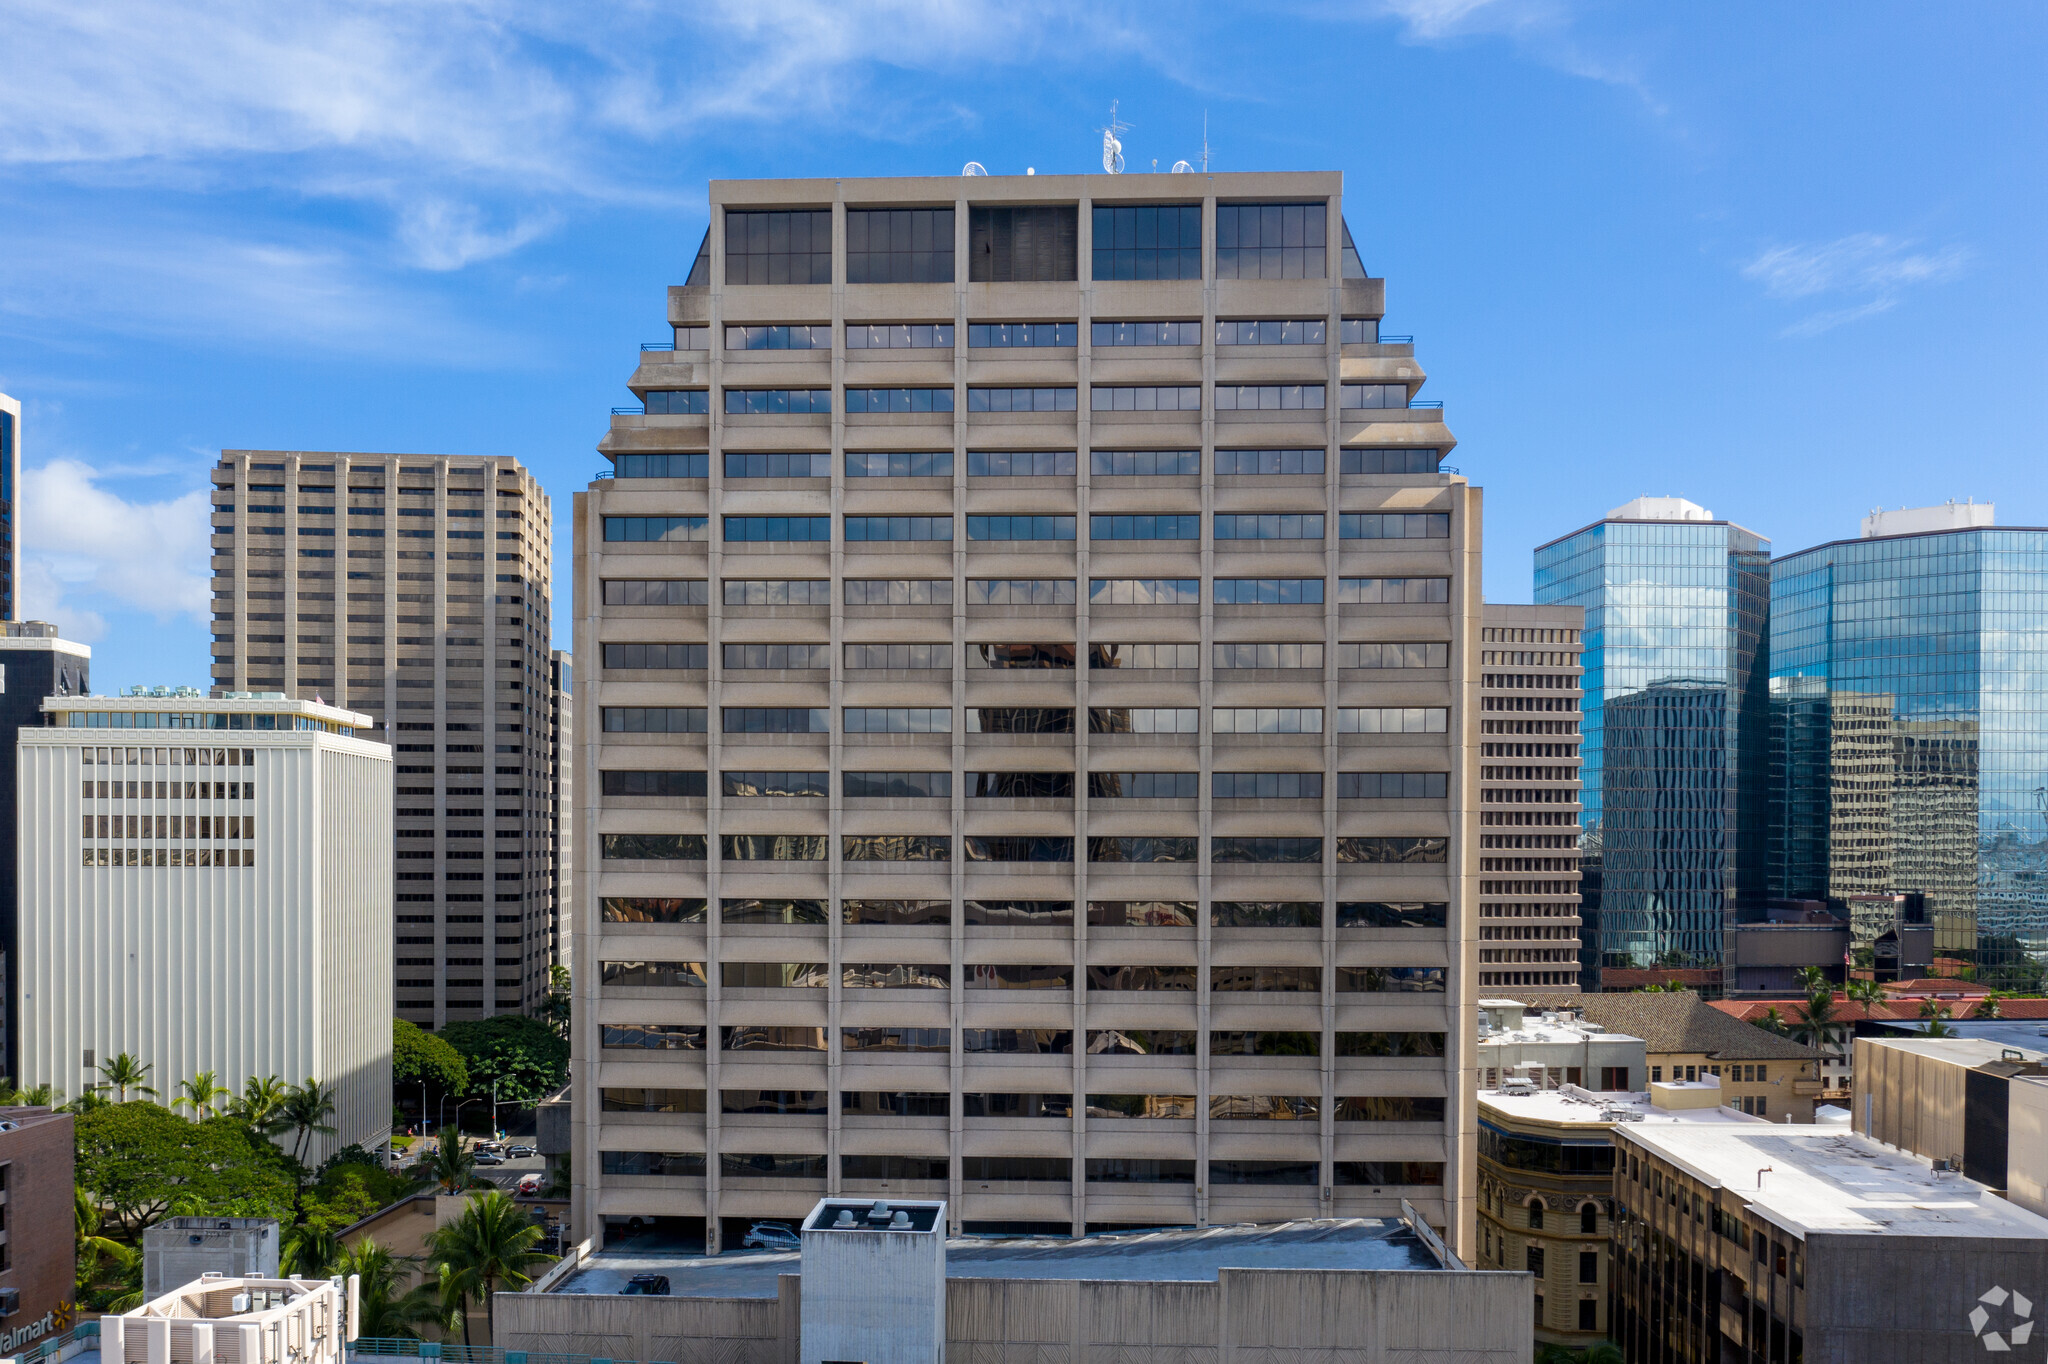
(38, 1218)
(1908, 1100)
(2026, 1155)
(1907, 1299)
(1283, 1316)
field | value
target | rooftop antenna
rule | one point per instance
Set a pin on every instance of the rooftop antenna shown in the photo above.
(974, 168)
(1205, 141)
(1112, 149)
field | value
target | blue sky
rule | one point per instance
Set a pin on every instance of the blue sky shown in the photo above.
(1784, 260)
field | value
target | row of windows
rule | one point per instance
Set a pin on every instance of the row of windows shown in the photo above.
(96, 789)
(780, 975)
(1028, 244)
(1040, 657)
(1139, 526)
(1026, 1041)
(1027, 592)
(167, 857)
(695, 1037)
(988, 1169)
(1036, 785)
(167, 826)
(1102, 398)
(1364, 851)
(1040, 913)
(1032, 335)
(1029, 463)
(1026, 720)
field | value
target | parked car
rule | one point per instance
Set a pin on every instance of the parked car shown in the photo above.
(494, 1147)
(489, 1158)
(770, 1236)
(647, 1285)
(520, 1152)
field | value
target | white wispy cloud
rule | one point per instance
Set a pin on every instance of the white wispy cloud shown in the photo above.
(88, 549)
(1869, 268)
(1545, 31)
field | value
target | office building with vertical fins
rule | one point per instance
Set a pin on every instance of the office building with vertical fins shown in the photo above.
(1529, 693)
(1675, 728)
(1029, 669)
(414, 589)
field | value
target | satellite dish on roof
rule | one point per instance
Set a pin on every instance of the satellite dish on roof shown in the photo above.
(1112, 149)
(974, 168)
(1183, 168)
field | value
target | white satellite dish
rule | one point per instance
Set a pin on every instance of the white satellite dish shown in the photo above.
(1183, 168)
(974, 168)
(1113, 150)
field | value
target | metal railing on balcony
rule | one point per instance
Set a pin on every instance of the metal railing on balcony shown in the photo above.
(629, 411)
(386, 1347)
(1397, 340)
(1435, 404)
(657, 345)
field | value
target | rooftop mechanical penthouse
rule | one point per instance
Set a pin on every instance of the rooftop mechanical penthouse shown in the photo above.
(1032, 660)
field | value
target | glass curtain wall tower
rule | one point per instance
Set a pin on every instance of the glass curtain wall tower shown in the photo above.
(1028, 666)
(1675, 730)
(1910, 729)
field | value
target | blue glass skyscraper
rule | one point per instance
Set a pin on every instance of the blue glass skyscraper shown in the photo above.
(1909, 700)
(1674, 730)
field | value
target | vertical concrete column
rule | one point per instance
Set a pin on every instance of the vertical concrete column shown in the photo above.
(714, 786)
(963, 265)
(1333, 459)
(1204, 708)
(1084, 443)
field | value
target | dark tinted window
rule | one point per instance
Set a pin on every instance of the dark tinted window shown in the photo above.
(655, 655)
(1148, 241)
(651, 783)
(1392, 913)
(1271, 241)
(1023, 244)
(1390, 461)
(662, 466)
(914, 785)
(778, 247)
(772, 783)
(899, 246)
(1021, 785)
(653, 719)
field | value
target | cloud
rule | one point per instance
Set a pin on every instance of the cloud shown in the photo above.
(1868, 265)
(87, 549)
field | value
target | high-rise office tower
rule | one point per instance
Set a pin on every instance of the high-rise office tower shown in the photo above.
(1031, 664)
(1910, 728)
(1675, 729)
(1529, 931)
(414, 589)
(562, 687)
(10, 529)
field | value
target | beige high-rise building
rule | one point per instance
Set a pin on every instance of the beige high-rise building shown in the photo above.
(414, 589)
(1529, 691)
(1030, 666)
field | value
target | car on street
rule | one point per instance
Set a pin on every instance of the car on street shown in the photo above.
(646, 1285)
(520, 1152)
(770, 1236)
(529, 1186)
(489, 1158)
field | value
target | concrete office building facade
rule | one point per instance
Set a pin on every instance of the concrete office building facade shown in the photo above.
(414, 588)
(206, 884)
(1030, 665)
(10, 513)
(1529, 695)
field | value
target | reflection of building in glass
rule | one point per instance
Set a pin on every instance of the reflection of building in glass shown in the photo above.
(1674, 728)
(1910, 727)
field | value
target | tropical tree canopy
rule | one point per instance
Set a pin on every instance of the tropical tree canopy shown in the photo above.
(420, 1057)
(523, 1055)
(143, 1162)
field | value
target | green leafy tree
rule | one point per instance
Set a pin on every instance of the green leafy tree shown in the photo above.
(142, 1162)
(200, 1094)
(124, 1073)
(304, 1112)
(310, 1251)
(346, 1193)
(1772, 1021)
(258, 1103)
(387, 1308)
(1606, 1352)
(491, 1244)
(522, 1055)
(1989, 1008)
(419, 1057)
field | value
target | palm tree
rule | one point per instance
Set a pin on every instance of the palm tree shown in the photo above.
(39, 1096)
(1819, 1027)
(1771, 1021)
(310, 1252)
(1606, 1352)
(1868, 993)
(198, 1094)
(123, 1073)
(384, 1312)
(305, 1110)
(1937, 1016)
(1989, 1008)
(492, 1243)
(448, 1165)
(95, 1251)
(259, 1102)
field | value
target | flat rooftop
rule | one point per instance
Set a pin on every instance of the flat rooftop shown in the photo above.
(1635, 1110)
(1972, 1051)
(2026, 1034)
(1185, 1255)
(1822, 1179)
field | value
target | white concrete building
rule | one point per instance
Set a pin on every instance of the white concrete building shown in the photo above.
(206, 883)
(1556, 1048)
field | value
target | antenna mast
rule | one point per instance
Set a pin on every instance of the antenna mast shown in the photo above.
(1112, 149)
(1205, 141)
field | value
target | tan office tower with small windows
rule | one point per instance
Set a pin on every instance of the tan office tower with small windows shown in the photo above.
(1529, 693)
(414, 589)
(1030, 665)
